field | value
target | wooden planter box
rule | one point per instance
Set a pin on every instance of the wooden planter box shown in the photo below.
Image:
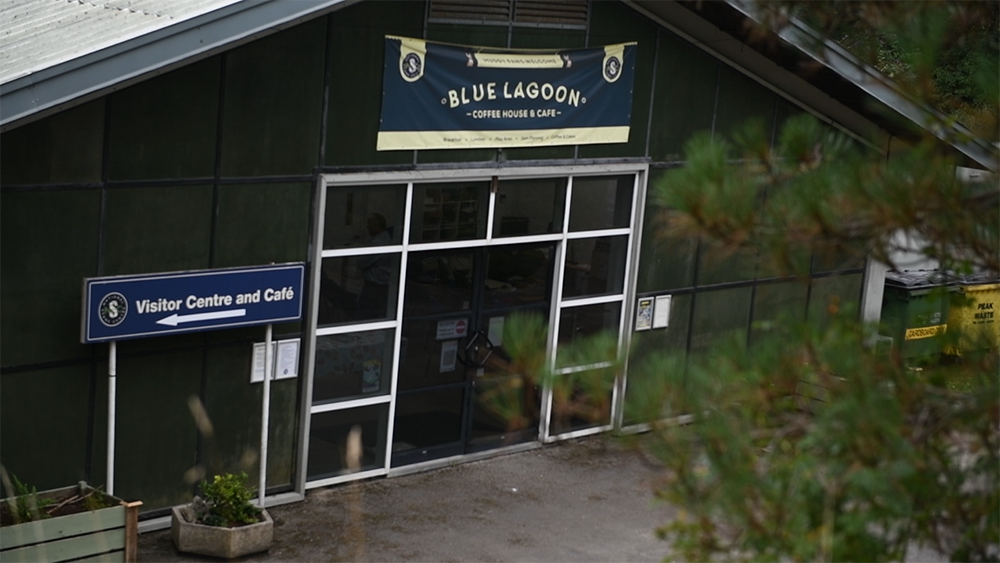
(106, 534)
(190, 537)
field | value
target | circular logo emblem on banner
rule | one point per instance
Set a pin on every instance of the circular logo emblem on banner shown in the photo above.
(612, 68)
(411, 65)
(112, 309)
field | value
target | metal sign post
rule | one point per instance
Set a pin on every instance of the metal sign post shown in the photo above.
(112, 383)
(264, 416)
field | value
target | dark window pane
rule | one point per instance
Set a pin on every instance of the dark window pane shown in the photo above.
(518, 276)
(273, 103)
(46, 451)
(581, 400)
(328, 440)
(664, 262)
(425, 360)
(358, 288)
(352, 365)
(595, 266)
(529, 207)
(65, 147)
(364, 216)
(505, 412)
(48, 244)
(438, 282)
(262, 223)
(612, 23)
(742, 99)
(429, 418)
(673, 126)
(603, 202)
(775, 305)
(452, 211)
(356, 59)
(166, 127)
(172, 232)
(720, 319)
(580, 322)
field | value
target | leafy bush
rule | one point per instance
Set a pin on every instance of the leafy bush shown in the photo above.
(226, 502)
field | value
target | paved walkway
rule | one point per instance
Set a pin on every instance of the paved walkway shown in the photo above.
(582, 500)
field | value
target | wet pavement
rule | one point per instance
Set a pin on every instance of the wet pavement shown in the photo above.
(582, 500)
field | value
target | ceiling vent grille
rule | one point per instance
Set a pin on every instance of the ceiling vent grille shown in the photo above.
(564, 14)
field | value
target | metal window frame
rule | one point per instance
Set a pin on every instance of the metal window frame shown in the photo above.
(327, 181)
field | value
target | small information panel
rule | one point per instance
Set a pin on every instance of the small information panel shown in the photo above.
(125, 307)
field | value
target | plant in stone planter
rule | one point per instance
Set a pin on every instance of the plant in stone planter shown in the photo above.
(222, 523)
(68, 523)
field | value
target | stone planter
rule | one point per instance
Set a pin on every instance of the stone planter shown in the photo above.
(105, 534)
(216, 541)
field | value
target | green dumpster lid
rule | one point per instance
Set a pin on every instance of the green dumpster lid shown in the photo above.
(919, 279)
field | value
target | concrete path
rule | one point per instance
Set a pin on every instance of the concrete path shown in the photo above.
(582, 500)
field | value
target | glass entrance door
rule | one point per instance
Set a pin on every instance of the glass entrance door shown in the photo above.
(456, 393)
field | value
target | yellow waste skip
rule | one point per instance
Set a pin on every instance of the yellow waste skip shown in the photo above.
(973, 318)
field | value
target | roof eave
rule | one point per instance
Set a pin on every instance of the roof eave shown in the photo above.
(40, 93)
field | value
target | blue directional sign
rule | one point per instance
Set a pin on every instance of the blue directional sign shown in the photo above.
(123, 307)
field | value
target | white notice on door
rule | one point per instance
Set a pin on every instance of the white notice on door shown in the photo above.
(288, 359)
(496, 331)
(450, 329)
(449, 352)
(661, 312)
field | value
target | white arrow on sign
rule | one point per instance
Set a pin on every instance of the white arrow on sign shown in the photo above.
(175, 319)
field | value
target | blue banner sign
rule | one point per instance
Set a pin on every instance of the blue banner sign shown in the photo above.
(438, 96)
(123, 307)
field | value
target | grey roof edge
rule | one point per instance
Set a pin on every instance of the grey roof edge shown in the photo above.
(89, 75)
(799, 35)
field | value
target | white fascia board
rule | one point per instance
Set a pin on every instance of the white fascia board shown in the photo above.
(97, 73)
(878, 86)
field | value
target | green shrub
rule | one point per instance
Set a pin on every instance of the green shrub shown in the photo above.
(227, 501)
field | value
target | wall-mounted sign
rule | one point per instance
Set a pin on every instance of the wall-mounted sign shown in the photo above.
(123, 307)
(437, 96)
(284, 360)
(652, 312)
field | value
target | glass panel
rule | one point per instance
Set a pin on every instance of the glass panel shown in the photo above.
(775, 304)
(718, 264)
(742, 99)
(506, 411)
(720, 319)
(354, 68)
(603, 202)
(681, 107)
(518, 276)
(166, 127)
(529, 207)
(425, 360)
(364, 216)
(47, 450)
(156, 437)
(579, 322)
(644, 386)
(65, 147)
(173, 231)
(328, 440)
(438, 282)
(426, 419)
(273, 103)
(358, 288)
(595, 266)
(48, 244)
(832, 296)
(664, 262)
(581, 400)
(612, 23)
(252, 229)
(354, 365)
(453, 211)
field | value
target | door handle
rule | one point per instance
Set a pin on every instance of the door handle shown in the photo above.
(472, 353)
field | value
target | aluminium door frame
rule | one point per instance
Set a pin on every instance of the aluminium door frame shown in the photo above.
(409, 179)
